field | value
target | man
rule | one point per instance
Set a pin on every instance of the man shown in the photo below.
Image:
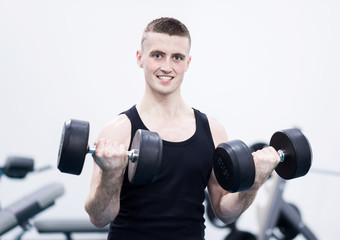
(171, 207)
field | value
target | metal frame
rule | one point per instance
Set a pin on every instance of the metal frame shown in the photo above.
(277, 207)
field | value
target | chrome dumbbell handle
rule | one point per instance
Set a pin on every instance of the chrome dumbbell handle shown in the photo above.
(132, 155)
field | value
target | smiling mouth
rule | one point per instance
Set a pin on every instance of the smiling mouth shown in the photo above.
(165, 78)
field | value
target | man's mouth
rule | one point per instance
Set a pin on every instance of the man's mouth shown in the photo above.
(165, 78)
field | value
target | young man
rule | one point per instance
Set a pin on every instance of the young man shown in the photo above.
(171, 207)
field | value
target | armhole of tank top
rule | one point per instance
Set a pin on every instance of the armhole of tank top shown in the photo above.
(206, 127)
(128, 115)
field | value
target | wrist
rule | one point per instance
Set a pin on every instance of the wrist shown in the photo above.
(112, 176)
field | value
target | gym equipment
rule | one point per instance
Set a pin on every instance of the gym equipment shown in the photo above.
(278, 220)
(68, 227)
(285, 226)
(17, 167)
(234, 166)
(19, 213)
(144, 158)
(295, 153)
(281, 220)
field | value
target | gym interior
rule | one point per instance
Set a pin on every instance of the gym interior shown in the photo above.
(257, 67)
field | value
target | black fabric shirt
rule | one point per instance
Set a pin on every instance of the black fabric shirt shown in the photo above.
(172, 206)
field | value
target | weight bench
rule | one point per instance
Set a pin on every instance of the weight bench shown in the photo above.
(67, 227)
(20, 212)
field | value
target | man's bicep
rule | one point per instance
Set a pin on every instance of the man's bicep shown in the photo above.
(219, 135)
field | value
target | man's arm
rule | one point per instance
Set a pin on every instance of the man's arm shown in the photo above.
(110, 161)
(229, 206)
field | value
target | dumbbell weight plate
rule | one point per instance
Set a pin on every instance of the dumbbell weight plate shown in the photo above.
(144, 170)
(297, 150)
(73, 146)
(234, 166)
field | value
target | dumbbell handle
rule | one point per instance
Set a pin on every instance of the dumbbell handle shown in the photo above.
(282, 155)
(132, 154)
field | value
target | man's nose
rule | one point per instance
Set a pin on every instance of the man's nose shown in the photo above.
(166, 65)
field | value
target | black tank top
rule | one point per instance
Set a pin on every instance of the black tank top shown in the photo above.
(172, 206)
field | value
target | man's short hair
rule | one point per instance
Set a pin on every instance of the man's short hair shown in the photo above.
(170, 26)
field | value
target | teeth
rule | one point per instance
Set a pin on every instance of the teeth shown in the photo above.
(165, 78)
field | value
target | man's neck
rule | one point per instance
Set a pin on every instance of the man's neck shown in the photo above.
(171, 117)
(163, 106)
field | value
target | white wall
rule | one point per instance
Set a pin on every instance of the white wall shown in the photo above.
(257, 67)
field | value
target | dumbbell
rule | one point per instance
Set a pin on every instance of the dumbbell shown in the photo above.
(234, 166)
(144, 158)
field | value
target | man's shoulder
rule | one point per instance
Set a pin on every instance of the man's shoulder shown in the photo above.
(218, 131)
(120, 121)
(118, 129)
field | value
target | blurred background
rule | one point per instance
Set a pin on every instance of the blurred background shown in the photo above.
(257, 67)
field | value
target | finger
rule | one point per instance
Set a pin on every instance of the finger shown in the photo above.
(100, 147)
(109, 148)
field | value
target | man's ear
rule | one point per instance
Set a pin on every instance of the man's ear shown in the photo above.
(139, 58)
(188, 63)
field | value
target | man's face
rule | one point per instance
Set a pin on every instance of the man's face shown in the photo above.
(164, 59)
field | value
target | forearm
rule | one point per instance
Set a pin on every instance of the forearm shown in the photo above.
(232, 205)
(103, 202)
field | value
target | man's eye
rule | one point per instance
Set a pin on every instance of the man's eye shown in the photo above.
(157, 55)
(177, 58)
